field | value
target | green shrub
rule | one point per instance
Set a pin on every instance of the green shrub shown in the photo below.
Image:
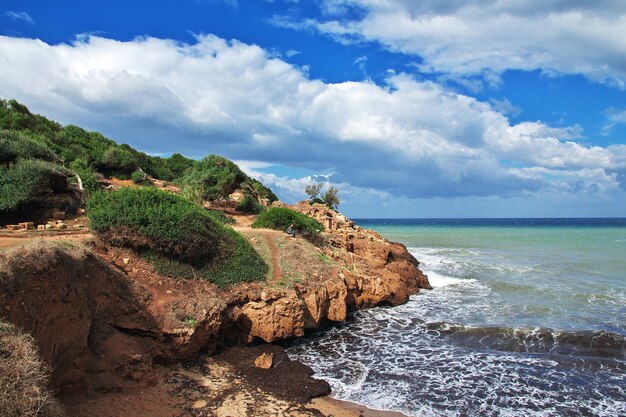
(26, 181)
(279, 218)
(116, 159)
(16, 116)
(140, 178)
(14, 145)
(241, 265)
(87, 176)
(220, 217)
(212, 178)
(178, 235)
(249, 205)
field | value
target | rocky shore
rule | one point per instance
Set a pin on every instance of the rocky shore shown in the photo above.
(110, 326)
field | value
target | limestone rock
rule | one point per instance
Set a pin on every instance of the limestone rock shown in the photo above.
(264, 361)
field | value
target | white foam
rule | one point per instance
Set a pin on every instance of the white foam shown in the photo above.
(438, 280)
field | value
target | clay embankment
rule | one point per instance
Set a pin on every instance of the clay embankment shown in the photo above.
(105, 320)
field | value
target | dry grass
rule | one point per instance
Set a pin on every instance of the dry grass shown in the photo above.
(23, 377)
(37, 254)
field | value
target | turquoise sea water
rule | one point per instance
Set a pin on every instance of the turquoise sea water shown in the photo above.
(527, 317)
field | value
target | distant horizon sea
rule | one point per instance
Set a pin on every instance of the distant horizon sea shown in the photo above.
(527, 317)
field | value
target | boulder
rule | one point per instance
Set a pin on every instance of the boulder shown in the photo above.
(264, 361)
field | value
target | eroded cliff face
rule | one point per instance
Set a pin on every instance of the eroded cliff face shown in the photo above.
(370, 270)
(102, 320)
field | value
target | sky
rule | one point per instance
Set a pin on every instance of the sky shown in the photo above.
(432, 108)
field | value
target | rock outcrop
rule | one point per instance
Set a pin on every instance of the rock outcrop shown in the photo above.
(103, 321)
(370, 271)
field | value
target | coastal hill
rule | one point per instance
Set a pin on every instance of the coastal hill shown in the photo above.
(124, 268)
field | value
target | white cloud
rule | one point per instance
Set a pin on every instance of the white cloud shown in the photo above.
(504, 106)
(613, 117)
(487, 37)
(407, 138)
(20, 16)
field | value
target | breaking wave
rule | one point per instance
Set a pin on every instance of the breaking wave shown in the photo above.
(535, 340)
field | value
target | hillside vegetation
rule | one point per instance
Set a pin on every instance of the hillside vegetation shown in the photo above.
(40, 160)
(181, 238)
(71, 151)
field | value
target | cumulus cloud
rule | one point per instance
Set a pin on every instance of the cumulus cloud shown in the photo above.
(406, 138)
(487, 37)
(20, 16)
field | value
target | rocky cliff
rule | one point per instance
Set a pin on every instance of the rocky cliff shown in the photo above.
(103, 318)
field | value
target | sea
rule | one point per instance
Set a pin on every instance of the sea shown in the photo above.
(527, 317)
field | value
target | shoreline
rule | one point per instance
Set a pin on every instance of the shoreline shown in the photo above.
(229, 384)
(329, 406)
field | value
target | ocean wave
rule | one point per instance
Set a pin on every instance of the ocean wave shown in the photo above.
(462, 262)
(617, 298)
(438, 280)
(535, 340)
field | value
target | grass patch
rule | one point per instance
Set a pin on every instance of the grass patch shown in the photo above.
(180, 238)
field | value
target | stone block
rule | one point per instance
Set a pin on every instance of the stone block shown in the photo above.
(27, 225)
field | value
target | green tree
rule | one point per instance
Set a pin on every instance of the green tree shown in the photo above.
(314, 190)
(331, 198)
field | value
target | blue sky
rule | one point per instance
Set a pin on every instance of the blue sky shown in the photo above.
(479, 108)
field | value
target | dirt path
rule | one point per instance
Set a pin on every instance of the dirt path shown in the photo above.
(276, 266)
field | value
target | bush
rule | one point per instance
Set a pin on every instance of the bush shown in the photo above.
(279, 218)
(241, 265)
(116, 159)
(23, 377)
(177, 234)
(213, 178)
(249, 205)
(27, 181)
(16, 116)
(87, 176)
(220, 217)
(14, 145)
(140, 178)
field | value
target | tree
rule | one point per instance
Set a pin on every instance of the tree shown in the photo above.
(313, 190)
(331, 198)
